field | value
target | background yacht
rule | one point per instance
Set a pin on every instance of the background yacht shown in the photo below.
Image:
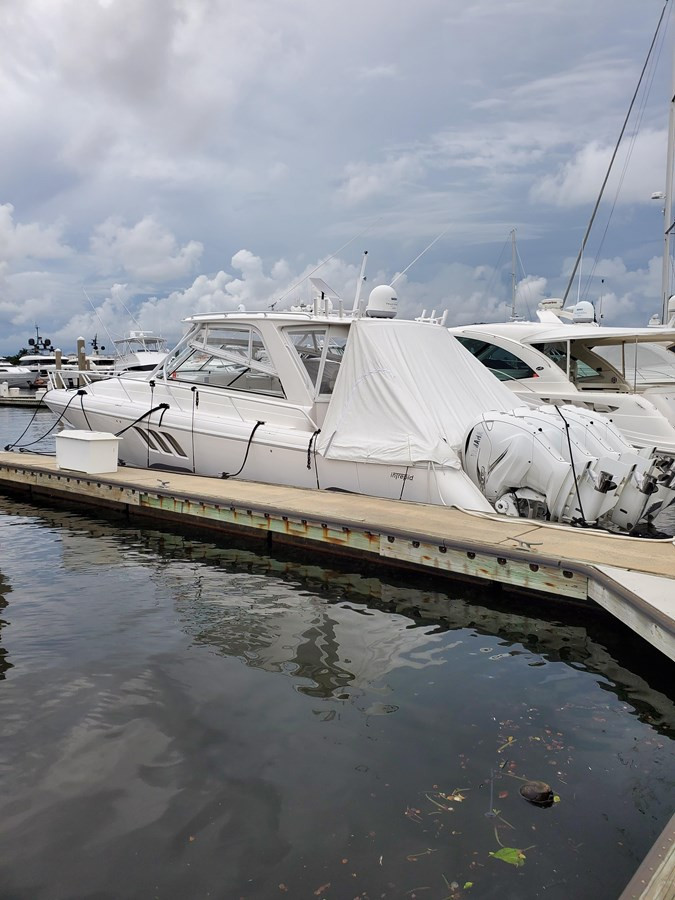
(627, 374)
(15, 376)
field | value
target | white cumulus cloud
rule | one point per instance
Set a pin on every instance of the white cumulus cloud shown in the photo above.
(146, 251)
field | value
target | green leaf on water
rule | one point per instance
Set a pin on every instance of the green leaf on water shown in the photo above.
(510, 855)
(468, 884)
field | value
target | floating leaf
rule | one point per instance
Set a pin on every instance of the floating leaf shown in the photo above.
(467, 885)
(510, 855)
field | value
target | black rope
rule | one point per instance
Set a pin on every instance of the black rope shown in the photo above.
(312, 440)
(405, 478)
(47, 433)
(84, 412)
(147, 442)
(309, 448)
(32, 419)
(574, 471)
(195, 404)
(248, 447)
(140, 418)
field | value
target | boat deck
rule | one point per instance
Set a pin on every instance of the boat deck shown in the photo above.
(632, 578)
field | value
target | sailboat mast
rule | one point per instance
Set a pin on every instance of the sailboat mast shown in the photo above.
(513, 274)
(668, 203)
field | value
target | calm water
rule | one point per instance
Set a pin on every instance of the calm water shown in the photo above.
(185, 719)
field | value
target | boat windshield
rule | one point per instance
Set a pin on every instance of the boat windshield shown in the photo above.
(227, 356)
(320, 350)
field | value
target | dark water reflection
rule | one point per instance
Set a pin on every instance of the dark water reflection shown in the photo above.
(183, 719)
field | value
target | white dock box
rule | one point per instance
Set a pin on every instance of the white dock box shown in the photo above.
(92, 452)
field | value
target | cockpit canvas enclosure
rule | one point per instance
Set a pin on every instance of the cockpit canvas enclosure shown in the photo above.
(406, 393)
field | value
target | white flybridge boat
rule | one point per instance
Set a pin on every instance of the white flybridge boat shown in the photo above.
(361, 403)
(139, 351)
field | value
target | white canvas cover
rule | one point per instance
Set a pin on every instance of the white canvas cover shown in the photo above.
(406, 393)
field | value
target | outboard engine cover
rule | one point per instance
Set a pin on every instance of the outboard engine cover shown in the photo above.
(565, 465)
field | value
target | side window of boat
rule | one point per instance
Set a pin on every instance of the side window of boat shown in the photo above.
(556, 351)
(308, 343)
(502, 363)
(320, 352)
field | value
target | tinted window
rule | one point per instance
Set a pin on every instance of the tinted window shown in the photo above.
(502, 363)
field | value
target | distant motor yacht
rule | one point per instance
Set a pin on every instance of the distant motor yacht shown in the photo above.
(15, 376)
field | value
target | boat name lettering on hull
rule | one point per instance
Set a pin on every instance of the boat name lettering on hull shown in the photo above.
(402, 477)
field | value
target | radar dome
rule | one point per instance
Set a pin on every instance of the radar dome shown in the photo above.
(382, 303)
(584, 313)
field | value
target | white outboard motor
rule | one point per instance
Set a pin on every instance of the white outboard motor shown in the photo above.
(566, 465)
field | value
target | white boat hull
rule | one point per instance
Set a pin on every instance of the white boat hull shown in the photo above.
(215, 445)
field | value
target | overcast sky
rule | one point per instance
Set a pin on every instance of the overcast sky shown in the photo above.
(170, 157)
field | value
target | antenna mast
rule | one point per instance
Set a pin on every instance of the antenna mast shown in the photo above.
(513, 274)
(362, 278)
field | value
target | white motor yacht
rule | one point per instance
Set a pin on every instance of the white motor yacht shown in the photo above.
(15, 376)
(139, 351)
(366, 404)
(601, 369)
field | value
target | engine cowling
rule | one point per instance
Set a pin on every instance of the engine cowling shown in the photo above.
(566, 464)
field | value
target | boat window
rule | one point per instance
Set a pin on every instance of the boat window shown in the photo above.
(502, 363)
(587, 368)
(320, 351)
(227, 356)
(655, 363)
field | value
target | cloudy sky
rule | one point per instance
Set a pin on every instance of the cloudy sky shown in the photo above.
(166, 157)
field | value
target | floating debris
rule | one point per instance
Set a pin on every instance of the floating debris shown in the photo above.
(538, 792)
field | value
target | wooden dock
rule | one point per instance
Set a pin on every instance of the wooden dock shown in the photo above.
(632, 578)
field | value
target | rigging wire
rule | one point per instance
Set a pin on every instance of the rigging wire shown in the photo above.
(420, 255)
(631, 147)
(327, 259)
(616, 149)
(101, 322)
(496, 268)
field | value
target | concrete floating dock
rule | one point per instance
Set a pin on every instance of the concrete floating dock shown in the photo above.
(27, 401)
(632, 578)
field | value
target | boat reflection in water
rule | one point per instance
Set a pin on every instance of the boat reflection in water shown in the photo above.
(281, 615)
